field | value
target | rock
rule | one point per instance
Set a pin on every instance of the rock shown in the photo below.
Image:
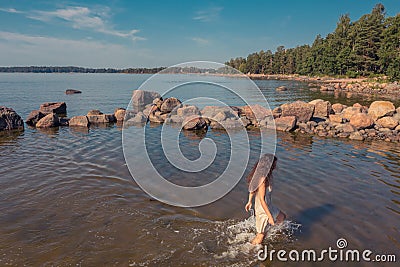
(10, 120)
(34, 117)
(169, 104)
(187, 111)
(281, 88)
(379, 109)
(194, 122)
(94, 112)
(72, 91)
(397, 128)
(48, 121)
(230, 123)
(80, 121)
(322, 108)
(387, 122)
(345, 128)
(277, 112)
(119, 114)
(59, 108)
(286, 123)
(156, 117)
(337, 108)
(211, 111)
(255, 113)
(357, 105)
(301, 110)
(347, 113)
(336, 118)
(141, 98)
(158, 102)
(356, 136)
(361, 121)
(64, 121)
(101, 118)
(139, 118)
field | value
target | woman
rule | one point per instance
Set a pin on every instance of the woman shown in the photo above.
(260, 187)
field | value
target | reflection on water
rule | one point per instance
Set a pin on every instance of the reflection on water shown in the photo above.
(68, 198)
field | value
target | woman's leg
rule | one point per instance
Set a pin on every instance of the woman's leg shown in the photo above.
(281, 217)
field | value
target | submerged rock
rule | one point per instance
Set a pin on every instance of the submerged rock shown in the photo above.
(10, 120)
(72, 91)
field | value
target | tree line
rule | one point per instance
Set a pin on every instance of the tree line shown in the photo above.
(367, 47)
(72, 69)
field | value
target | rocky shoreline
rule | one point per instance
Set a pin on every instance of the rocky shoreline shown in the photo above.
(361, 86)
(379, 121)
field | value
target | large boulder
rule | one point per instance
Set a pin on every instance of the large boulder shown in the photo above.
(387, 122)
(322, 108)
(141, 98)
(336, 118)
(361, 121)
(170, 104)
(301, 110)
(195, 122)
(59, 108)
(34, 117)
(255, 113)
(286, 123)
(347, 113)
(119, 114)
(10, 120)
(379, 109)
(81, 121)
(138, 118)
(50, 120)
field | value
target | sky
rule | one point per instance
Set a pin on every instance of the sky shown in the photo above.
(121, 34)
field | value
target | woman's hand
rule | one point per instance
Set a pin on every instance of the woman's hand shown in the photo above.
(248, 206)
(271, 221)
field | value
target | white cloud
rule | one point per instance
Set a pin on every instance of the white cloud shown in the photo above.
(200, 41)
(208, 15)
(23, 49)
(10, 10)
(80, 18)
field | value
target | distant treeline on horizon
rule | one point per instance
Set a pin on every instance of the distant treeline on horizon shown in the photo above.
(72, 69)
(368, 47)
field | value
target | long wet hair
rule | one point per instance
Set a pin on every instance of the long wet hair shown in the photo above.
(262, 169)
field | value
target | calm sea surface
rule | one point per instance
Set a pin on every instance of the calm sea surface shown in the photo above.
(67, 197)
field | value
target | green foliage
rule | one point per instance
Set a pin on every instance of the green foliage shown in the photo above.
(369, 46)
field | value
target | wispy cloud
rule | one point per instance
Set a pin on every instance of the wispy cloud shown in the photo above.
(208, 15)
(10, 10)
(16, 49)
(81, 18)
(200, 41)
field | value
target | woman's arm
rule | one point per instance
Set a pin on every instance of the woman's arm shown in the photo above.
(261, 195)
(249, 202)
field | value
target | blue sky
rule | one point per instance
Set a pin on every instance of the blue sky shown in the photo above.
(117, 33)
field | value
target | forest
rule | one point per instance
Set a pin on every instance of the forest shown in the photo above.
(367, 47)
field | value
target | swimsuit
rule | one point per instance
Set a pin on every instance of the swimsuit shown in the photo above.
(261, 216)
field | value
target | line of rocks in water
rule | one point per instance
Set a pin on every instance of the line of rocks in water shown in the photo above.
(379, 121)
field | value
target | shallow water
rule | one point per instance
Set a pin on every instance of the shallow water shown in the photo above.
(68, 197)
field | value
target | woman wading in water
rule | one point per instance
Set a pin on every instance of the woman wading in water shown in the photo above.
(260, 186)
